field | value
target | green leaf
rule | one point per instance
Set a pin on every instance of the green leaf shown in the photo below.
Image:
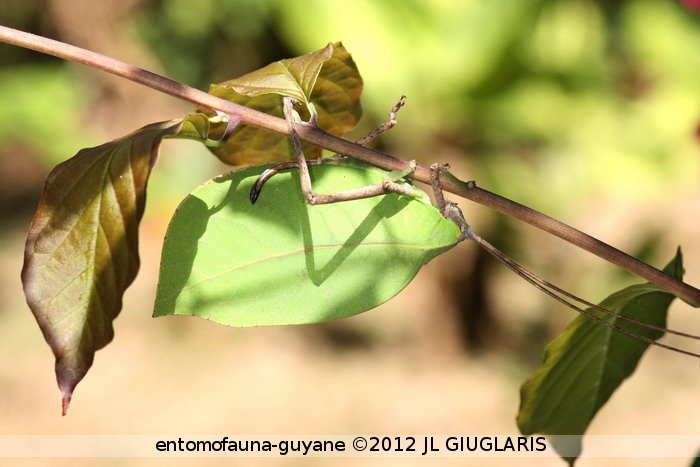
(82, 247)
(587, 362)
(327, 78)
(283, 262)
(293, 77)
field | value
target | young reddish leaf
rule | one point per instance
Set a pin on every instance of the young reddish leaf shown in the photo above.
(82, 247)
(330, 82)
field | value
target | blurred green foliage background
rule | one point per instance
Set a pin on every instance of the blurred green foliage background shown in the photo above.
(587, 110)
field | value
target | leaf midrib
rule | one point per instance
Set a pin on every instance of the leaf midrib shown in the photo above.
(270, 89)
(239, 267)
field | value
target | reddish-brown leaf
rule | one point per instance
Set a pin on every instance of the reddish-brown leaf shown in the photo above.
(82, 247)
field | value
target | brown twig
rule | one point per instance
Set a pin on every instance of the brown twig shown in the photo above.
(452, 212)
(314, 135)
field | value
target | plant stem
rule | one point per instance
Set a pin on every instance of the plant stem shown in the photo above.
(243, 115)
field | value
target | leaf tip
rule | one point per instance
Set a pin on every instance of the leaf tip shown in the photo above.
(68, 375)
(66, 386)
(65, 401)
(678, 270)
